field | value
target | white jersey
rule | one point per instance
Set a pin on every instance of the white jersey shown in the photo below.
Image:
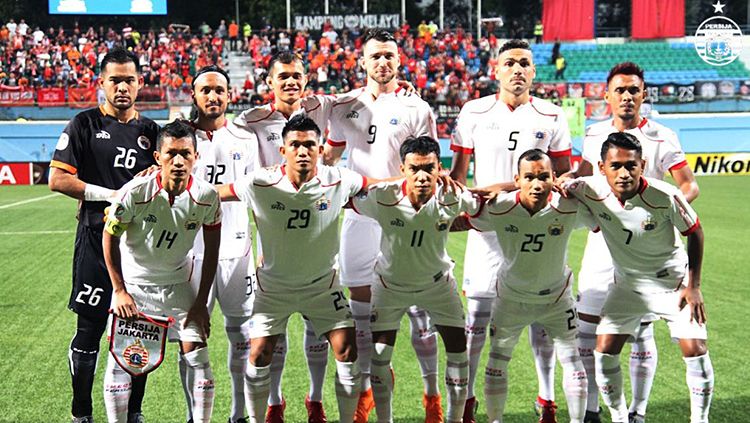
(373, 129)
(267, 123)
(640, 233)
(161, 229)
(534, 247)
(298, 226)
(661, 148)
(412, 247)
(496, 135)
(224, 156)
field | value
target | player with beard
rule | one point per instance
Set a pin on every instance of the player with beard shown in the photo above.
(371, 123)
(496, 130)
(226, 153)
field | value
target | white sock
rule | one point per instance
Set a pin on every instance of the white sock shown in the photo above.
(424, 341)
(544, 358)
(257, 385)
(316, 352)
(700, 380)
(609, 380)
(275, 396)
(348, 385)
(382, 381)
(574, 380)
(496, 383)
(238, 335)
(586, 347)
(478, 314)
(361, 316)
(456, 384)
(117, 387)
(199, 371)
(643, 359)
(188, 393)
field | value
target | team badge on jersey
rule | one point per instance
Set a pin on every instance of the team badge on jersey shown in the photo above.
(236, 155)
(144, 142)
(442, 225)
(394, 121)
(649, 224)
(541, 134)
(138, 345)
(62, 142)
(323, 204)
(555, 229)
(192, 225)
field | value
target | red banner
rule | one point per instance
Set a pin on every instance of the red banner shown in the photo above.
(595, 89)
(658, 18)
(16, 173)
(568, 19)
(82, 98)
(16, 96)
(50, 97)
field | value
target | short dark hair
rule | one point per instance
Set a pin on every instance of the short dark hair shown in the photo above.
(377, 34)
(423, 145)
(286, 57)
(176, 129)
(625, 68)
(300, 123)
(120, 56)
(621, 140)
(532, 155)
(513, 44)
(207, 69)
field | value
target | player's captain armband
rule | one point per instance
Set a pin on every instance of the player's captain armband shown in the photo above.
(114, 227)
(137, 345)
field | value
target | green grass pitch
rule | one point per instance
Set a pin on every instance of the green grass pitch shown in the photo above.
(36, 244)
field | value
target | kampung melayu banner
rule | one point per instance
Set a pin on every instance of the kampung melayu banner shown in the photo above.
(137, 345)
(316, 22)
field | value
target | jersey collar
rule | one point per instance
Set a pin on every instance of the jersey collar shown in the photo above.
(104, 113)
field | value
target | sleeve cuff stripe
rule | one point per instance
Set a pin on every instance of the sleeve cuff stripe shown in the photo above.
(459, 149)
(336, 143)
(692, 228)
(679, 165)
(563, 153)
(64, 166)
(231, 188)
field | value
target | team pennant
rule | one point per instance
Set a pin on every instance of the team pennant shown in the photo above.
(137, 345)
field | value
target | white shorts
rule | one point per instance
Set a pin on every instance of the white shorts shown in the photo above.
(360, 246)
(168, 301)
(510, 317)
(596, 277)
(233, 286)
(481, 265)
(322, 302)
(624, 309)
(439, 299)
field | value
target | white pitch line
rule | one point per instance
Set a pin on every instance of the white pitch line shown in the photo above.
(30, 200)
(38, 233)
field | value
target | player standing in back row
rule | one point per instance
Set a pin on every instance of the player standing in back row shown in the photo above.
(663, 154)
(98, 152)
(372, 122)
(226, 153)
(496, 130)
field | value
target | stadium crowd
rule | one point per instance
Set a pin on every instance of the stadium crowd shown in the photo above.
(446, 68)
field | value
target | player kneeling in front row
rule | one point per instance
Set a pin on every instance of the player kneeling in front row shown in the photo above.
(413, 268)
(638, 217)
(533, 226)
(296, 208)
(158, 218)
